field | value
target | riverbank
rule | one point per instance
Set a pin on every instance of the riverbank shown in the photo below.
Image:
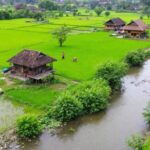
(7, 138)
(126, 108)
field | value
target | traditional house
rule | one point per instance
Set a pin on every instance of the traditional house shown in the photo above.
(135, 29)
(29, 64)
(114, 24)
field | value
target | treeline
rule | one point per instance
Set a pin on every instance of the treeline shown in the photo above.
(21, 13)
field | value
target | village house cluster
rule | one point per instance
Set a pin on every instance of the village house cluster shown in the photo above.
(134, 29)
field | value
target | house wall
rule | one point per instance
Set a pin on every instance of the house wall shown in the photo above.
(25, 71)
(134, 34)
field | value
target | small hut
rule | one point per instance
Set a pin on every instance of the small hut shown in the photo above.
(136, 29)
(30, 64)
(114, 24)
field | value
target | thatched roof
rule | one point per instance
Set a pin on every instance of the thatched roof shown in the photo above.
(31, 59)
(115, 21)
(137, 25)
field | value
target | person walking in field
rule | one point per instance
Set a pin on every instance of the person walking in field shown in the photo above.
(63, 55)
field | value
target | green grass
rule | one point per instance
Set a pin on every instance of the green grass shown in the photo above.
(39, 97)
(147, 145)
(91, 49)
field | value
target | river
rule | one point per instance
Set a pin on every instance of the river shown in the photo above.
(107, 130)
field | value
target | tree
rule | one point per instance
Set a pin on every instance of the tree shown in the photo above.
(107, 13)
(112, 72)
(146, 11)
(38, 16)
(98, 10)
(146, 2)
(61, 34)
(48, 5)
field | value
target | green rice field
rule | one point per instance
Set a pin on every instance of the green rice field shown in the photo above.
(90, 48)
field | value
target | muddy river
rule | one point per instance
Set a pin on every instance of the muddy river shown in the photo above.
(107, 130)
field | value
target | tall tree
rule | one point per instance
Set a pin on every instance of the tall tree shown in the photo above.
(61, 34)
(98, 10)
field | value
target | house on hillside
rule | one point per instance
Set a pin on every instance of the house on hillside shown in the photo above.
(114, 24)
(136, 29)
(30, 64)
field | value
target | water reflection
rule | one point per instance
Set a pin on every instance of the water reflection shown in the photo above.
(8, 113)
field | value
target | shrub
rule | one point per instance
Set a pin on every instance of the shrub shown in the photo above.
(135, 58)
(107, 13)
(147, 53)
(112, 72)
(136, 142)
(94, 95)
(147, 113)
(28, 126)
(67, 107)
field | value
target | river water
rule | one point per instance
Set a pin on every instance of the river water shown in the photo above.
(8, 113)
(107, 130)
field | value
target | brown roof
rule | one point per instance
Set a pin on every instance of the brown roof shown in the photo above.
(31, 58)
(115, 21)
(137, 25)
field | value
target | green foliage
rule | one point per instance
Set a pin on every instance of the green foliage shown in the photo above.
(136, 142)
(38, 16)
(28, 127)
(112, 72)
(2, 82)
(61, 34)
(147, 54)
(48, 122)
(135, 58)
(107, 13)
(67, 107)
(33, 95)
(4, 14)
(147, 113)
(145, 2)
(98, 10)
(147, 144)
(94, 95)
(146, 11)
(48, 5)
(87, 97)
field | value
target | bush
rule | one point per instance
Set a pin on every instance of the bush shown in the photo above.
(107, 13)
(135, 58)
(147, 53)
(112, 72)
(93, 95)
(67, 107)
(147, 113)
(28, 127)
(87, 97)
(136, 142)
